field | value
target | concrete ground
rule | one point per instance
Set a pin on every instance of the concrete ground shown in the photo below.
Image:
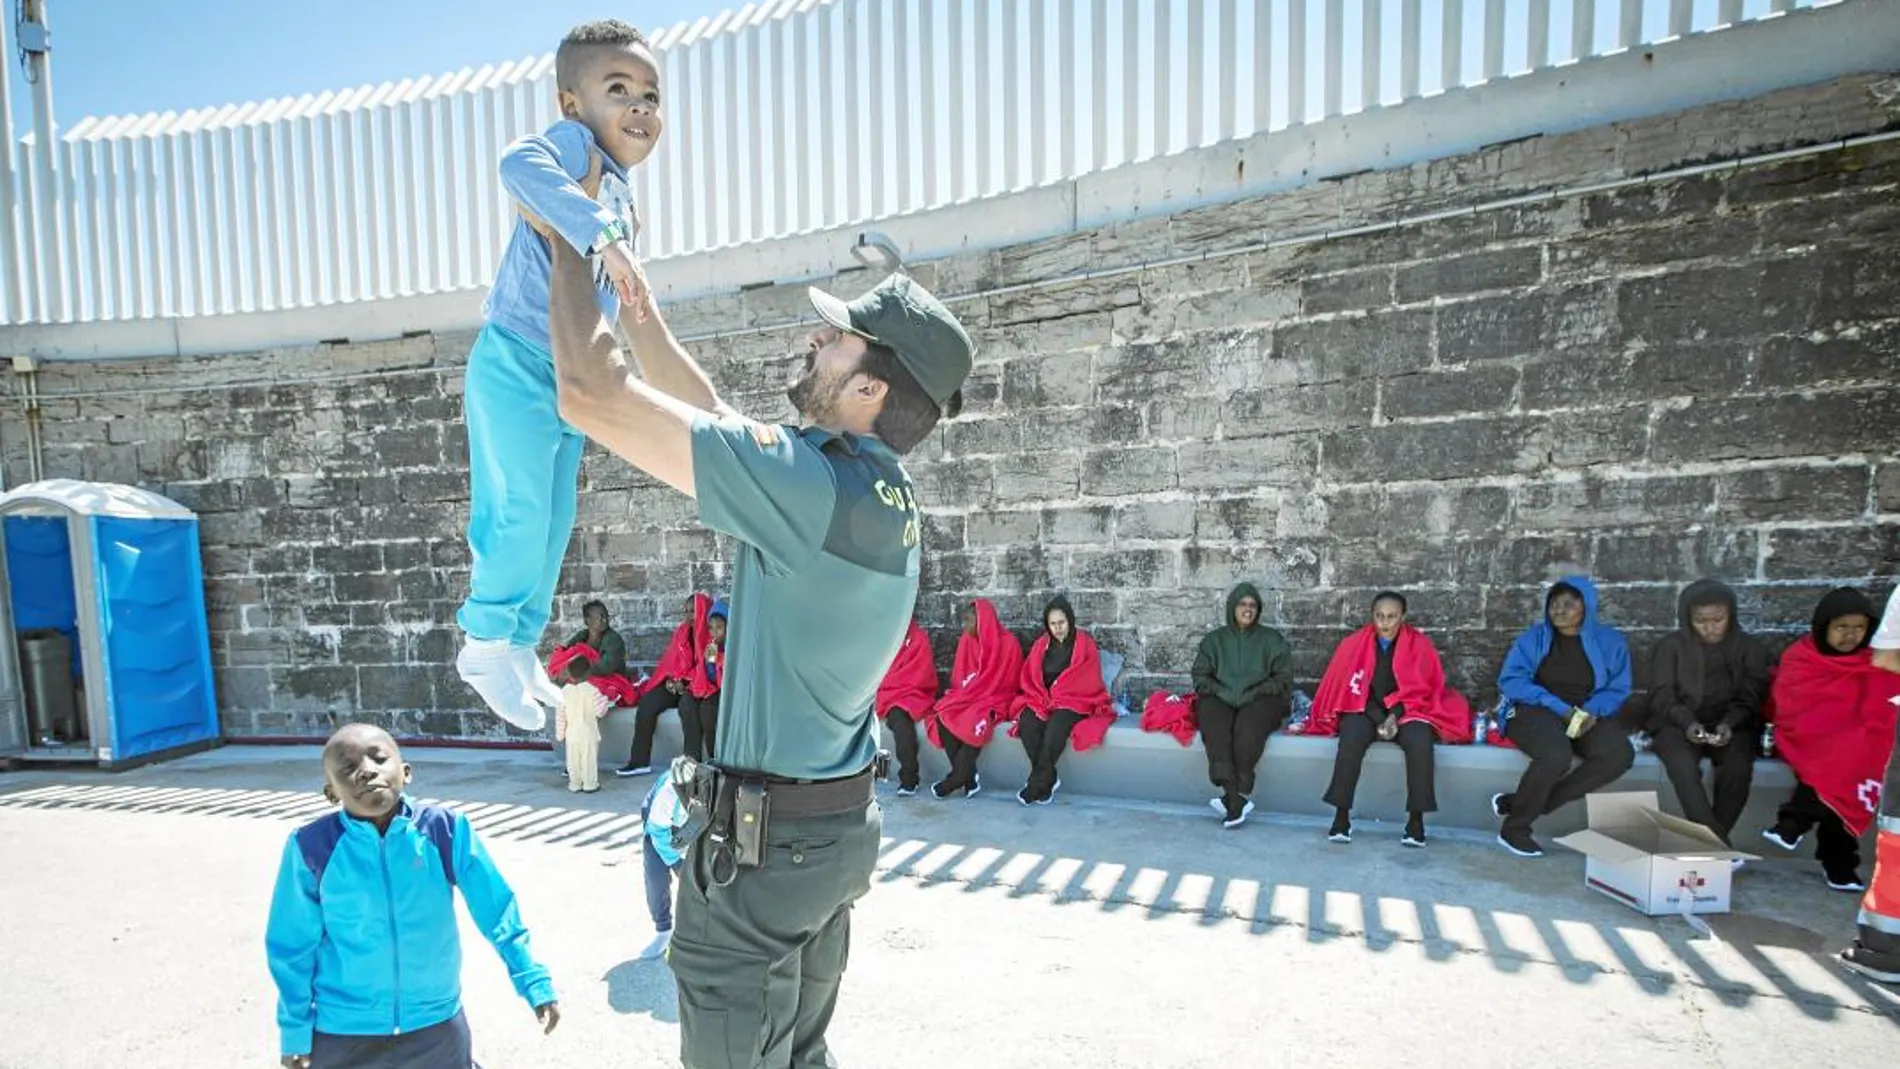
(1082, 934)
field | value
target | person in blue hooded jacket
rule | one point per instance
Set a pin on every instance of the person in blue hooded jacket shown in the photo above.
(362, 937)
(1564, 681)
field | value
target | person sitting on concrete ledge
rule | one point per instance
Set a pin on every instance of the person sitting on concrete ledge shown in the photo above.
(906, 697)
(699, 706)
(1565, 679)
(667, 685)
(1243, 683)
(1063, 695)
(1834, 725)
(1707, 682)
(983, 689)
(1386, 682)
(602, 645)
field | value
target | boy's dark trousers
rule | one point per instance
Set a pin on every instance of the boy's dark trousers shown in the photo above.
(699, 725)
(1044, 742)
(439, 1046)
(1734, 766)
(1837, 849)
(1357, 733)
(659, 881)
(904, 738)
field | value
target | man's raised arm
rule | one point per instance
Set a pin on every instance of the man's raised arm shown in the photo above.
(665, 363)
(600, 396)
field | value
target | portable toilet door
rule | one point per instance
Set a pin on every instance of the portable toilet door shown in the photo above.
(132, 599)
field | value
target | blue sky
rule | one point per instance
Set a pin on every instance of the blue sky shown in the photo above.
(113, 57)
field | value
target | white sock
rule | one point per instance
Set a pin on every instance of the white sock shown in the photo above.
(534, 677)
(485, 666)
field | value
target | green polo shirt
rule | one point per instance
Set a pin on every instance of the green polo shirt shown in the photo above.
(822, 592)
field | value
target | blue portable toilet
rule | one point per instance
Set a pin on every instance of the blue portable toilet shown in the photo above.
(112, 574)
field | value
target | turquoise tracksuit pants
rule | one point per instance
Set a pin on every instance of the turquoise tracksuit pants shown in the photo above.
(524, 467)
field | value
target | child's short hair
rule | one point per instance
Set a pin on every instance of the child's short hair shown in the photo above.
(611, 32)
(579, 667)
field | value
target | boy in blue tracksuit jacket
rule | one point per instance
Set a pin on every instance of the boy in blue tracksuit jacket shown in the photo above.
(1563, 684)
(570, 183)
(362, 936)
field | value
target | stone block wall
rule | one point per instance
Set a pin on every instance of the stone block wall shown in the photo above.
(1698, 375)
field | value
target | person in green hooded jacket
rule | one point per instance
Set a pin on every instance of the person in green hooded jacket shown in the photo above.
(1243, 683)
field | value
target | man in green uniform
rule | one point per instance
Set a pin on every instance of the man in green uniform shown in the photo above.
(825, 583)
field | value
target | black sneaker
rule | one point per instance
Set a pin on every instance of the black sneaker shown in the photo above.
(976, 787)
(631, 769)
(1785, 837)
(1341, 831)
(1519, 843)
(1235, 810)
(1026, 796)
(1501, 805)
(905, 790)
(1845, 881)
(945, 787)
(1855, 959)
(1050, 794)
(1414, 831)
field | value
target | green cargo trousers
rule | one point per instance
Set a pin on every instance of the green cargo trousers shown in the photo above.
(758, 961)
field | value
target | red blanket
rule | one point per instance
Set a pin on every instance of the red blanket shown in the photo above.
(911, 683)
(682, 653)
(983, 683)
(1420, 675)
(1834, 725)
(618, 688)
(1078, 689)
(1172, 713)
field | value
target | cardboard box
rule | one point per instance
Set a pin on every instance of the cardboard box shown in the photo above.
(1650, 861)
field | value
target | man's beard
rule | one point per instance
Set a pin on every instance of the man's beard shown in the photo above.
(815, 396)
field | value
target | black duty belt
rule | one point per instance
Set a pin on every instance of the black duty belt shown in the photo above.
(729, 810)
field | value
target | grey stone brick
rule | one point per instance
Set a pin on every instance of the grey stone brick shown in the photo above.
(1475, 272)
(1460, 449)
(1115, 472)
(1592, 502)
(1158, 521)
(1349, 291)
(1491, 328)
(396, 687)
(1485, 388)
(1887, 488)
(1078, 526)
(983, 437)
(1117, 569)
(953, 484)
(1287, 460)
(1868, 354)
(1680, 370)
(1725, 555)
(316, 687)
(1004, 528)
(1031, 477)
(1171, 419)
(1787, 425)
(1031, 568)
(1809, 493)
(1235, 519)
(1383, 343)
(1848, 552)
(1285, 409)
(1039, 381)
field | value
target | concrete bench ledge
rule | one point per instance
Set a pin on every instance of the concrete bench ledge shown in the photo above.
(1135, 765)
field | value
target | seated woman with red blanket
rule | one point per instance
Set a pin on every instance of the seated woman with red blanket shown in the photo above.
(699, 706)
(1062, 696)
(1386, 682)
(907, 697)
(1834, 721)
(982, 693)
(667, 685)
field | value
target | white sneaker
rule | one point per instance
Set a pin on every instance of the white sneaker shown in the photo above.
(485, 665)
(534, 676)
(656, 947)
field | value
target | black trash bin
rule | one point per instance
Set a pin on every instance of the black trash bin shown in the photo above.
(46, 669)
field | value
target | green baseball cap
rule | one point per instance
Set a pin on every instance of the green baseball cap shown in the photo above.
(902, 316)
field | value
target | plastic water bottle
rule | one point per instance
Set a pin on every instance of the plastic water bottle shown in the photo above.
(1302, 712)
(1480, 727)
(1768, 741)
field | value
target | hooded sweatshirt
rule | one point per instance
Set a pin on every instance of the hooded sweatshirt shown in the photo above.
(712, 667)
(984, 681)
(1601, 644)
(1692, 682)
(1056, 655)
(1237, 665)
